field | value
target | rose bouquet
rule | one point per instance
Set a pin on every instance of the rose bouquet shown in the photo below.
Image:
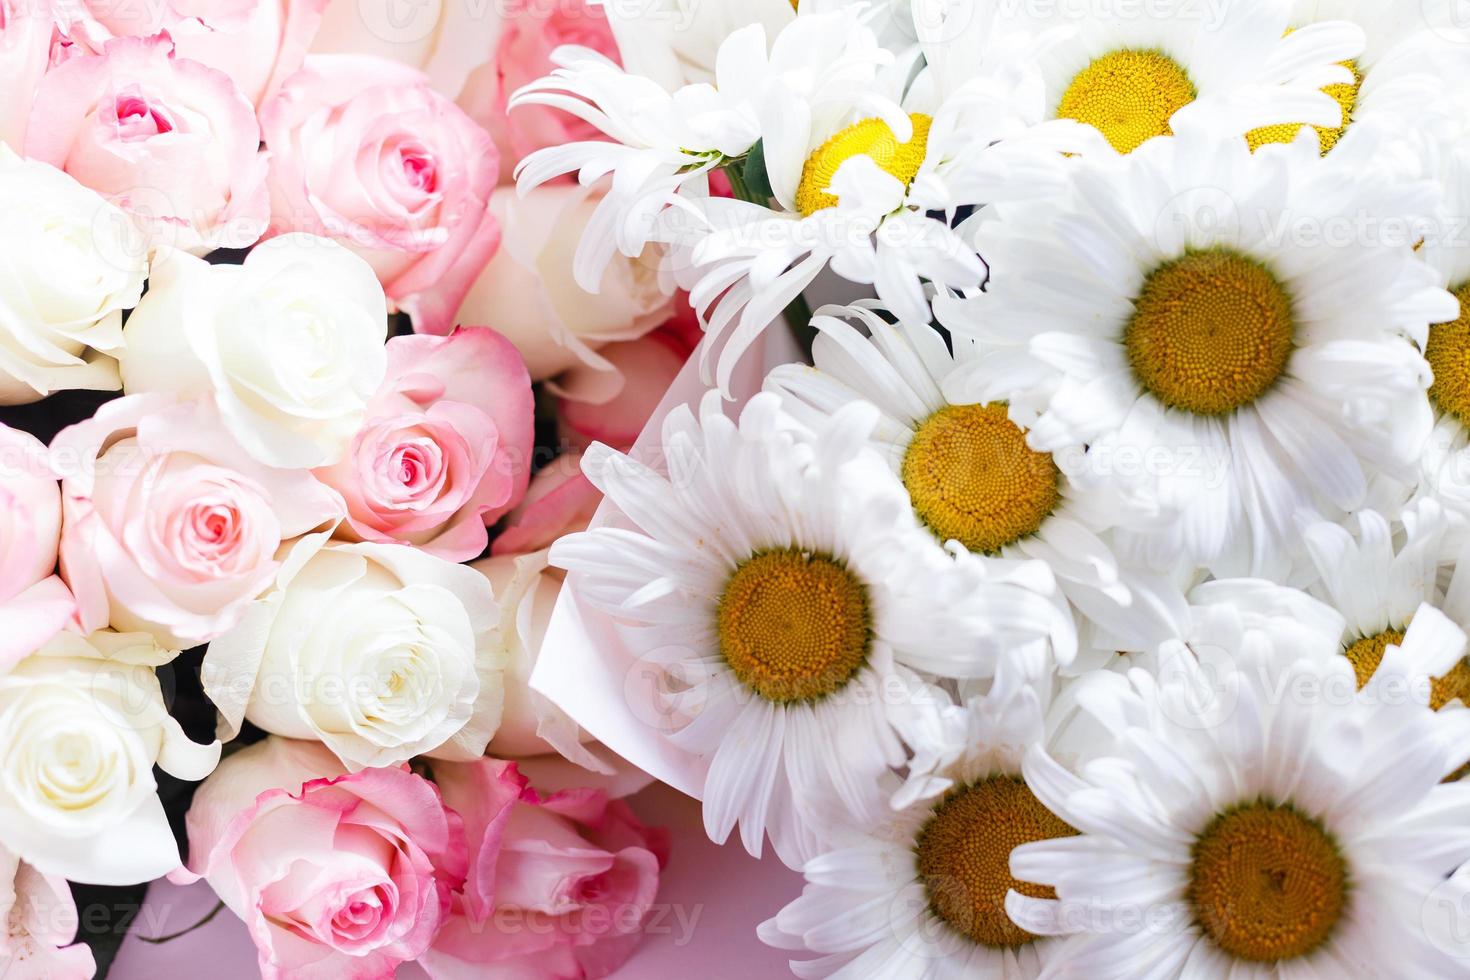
(419, 432)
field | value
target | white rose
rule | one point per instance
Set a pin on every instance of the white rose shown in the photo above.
(289, 344)
(71, 264)
(527, 589)
(382, 652)
(82, 724)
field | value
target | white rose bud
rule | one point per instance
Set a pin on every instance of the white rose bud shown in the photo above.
(72, 263)
(288, 344)
(381, 652)
(82, 724)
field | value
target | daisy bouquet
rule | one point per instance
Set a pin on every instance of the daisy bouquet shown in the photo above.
(1007, 460)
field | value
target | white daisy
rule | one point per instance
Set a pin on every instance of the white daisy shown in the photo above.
(1381, 581)
(1397, 80)
(663, 144)
(921, 896)
(1203, 319)
(780, 580)
(1288, 833)
(969, 474)
(871, 191)
(1232, 62)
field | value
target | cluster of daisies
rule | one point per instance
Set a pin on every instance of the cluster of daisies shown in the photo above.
(1088, 606)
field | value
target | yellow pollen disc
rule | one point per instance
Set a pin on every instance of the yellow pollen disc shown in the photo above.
(793, 626)
(1211, 331)
(1128, 96)
(870, 137)
(973, 479)
(1448, 354)
(1367, 653)
(963, 856)
(1268, 883)
(1345, 94)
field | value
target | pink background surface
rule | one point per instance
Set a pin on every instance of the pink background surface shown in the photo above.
(711, 898)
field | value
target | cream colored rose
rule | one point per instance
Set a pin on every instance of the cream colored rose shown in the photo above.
(382, 652)
(289, 344)
(71, 264)
(82, 724)
(527, 291)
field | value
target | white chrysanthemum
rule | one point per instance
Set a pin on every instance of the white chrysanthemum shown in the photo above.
(1381, 581)
(921, 895)
(1219, 327)
(969, 474)
(869, 189)
(1233, 62)
(781, 583)
(1256, 820)
(662, 145)
(1395, 78)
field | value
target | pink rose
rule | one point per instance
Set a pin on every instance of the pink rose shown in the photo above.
(41, 923)
(170, 526)
(528, 293)
(258, 43)
(613, 406)
(168, 140)
(337, 877)
(531, 30)
(446, 447)
(34, 604)
(26, 29)
(363, 150)
(559, 886)
(560, 500)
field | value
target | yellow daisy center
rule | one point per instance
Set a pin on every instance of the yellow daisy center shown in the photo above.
(1448, 354)
(1128, 96)
(973, 479)
(872, 138)
(1366, 654)
(963, 856)
(1345, 94)
(793, 626)
(1211, 331)
(1268, 883)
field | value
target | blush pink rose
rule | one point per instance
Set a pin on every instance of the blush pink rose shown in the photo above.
(363, 150)
(446, 446)
(529, 32)
(559, 885)
(40, 925)
(26, 31)
(527, 290)
(337, 877)
(560, 500)
(34, 604)
(258, 43)
(171, 528)
(170, 141)
(611, 404)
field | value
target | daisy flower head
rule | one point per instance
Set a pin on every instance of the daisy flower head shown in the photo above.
(1227, 331)
(971, 478)
(1396, 78)
(662, 144)
(1389, 575)
(922, 894)
(778, 579)
(1444, 473)
(1128, 70)
(1297, 834)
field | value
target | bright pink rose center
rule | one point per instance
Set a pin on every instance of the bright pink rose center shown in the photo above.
(360, 917)
(419, 168)
(136, 118)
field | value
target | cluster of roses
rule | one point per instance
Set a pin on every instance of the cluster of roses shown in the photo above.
(284, 481)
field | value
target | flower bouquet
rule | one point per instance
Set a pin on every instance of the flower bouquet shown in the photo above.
(1004, 459)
